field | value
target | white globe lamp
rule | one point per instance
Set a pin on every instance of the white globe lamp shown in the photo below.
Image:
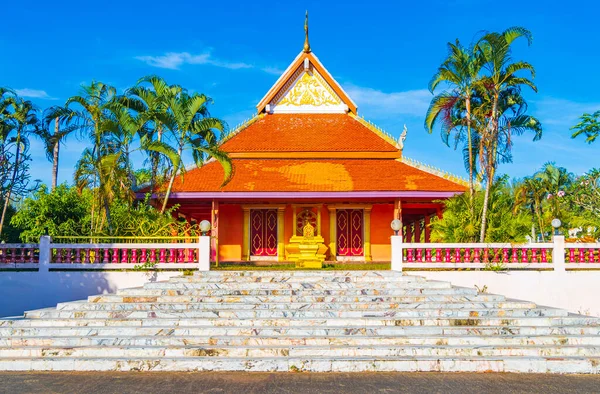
(204, 226)
(556, 223)
(396, 225)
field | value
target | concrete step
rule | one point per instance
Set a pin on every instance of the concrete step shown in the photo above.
(316, 364)
(323, 274)
(320, 297)
(113, 329)
(135, 352)
(310, 294)
(302, 286)
(301, 320)
(315, 278)
(372, 315)
(347, 340)
(68, 312)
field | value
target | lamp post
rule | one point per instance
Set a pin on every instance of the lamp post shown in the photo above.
(396, 239)
(396, 225)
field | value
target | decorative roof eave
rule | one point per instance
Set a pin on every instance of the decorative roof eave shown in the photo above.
(377, 130)
(308, 195)
(435, 171)
(240, 127)
(287, 74)
(315, 155)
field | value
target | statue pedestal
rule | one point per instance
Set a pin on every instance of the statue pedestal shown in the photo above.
(307, 252)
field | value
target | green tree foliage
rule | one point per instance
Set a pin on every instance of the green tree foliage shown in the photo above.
(581, 202)
(64, 211)
(483, 100)
(67, 211)
(18, 120)
(589, 126)
(504, 225)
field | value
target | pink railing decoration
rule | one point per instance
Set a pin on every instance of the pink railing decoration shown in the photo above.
(480, 254)
(19, 254)
(579, 253)
(122, 254)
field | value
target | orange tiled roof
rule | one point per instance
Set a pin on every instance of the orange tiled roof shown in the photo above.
(307, 133)
(333, 175)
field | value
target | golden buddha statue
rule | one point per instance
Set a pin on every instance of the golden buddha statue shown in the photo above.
(308, 231)
(307, 250)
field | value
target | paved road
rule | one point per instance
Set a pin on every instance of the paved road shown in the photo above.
(247, 383)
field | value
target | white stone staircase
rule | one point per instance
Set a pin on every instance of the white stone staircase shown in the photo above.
(301, 321)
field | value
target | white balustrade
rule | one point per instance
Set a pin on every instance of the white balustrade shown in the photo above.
(556, 255)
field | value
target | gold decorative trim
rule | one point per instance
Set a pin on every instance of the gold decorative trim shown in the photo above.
(309, 89)
(237, 129)
(313, 155)
(436, 171)
(374, 128)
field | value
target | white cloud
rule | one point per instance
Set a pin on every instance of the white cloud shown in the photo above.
(273, 70)
(379, 103)
(34, 93)
(561, 112)
(173, 60)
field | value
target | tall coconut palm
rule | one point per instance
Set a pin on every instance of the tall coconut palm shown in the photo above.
(460, 71)
(530, 194)
(555, 181)
(149, 99)
(22, 118)
(90, 112)
(191, 128)
(52, 140)
(501, 81)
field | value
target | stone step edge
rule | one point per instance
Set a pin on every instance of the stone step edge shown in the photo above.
(307, 328)
(333, 337)
(587, 365)
(296, 318)
(366, 310)
(357, 358)
(309, 347)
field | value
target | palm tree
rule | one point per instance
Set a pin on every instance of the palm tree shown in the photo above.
(452, 109)
(149, 103)
(22, 119)
(499, 87)
(555, 181)
(53, 140)
(589, 125)
(530, 194)
(191, 128)
(89, 113)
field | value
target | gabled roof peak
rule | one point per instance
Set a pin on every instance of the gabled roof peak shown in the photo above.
(306, 87)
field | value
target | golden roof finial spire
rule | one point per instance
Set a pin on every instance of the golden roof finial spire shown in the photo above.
(306, 43)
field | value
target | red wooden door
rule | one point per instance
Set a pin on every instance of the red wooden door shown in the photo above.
(263, 232)
(350, 232)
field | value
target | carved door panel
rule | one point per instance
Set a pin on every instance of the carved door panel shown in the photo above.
(350, 232)
(263, 232)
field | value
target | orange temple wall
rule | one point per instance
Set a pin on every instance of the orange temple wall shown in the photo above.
(231, 220)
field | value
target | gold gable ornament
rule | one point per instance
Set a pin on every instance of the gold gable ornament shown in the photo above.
(309, 90)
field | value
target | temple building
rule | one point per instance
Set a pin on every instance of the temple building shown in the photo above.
(307, 157)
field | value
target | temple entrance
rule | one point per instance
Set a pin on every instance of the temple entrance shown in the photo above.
(263, 232)
(350, 233)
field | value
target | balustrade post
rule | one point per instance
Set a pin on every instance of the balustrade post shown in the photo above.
(558, 253)
(45, 254)
(204, 253)
(397, 254)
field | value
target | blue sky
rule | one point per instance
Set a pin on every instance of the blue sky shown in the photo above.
(382, 53)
